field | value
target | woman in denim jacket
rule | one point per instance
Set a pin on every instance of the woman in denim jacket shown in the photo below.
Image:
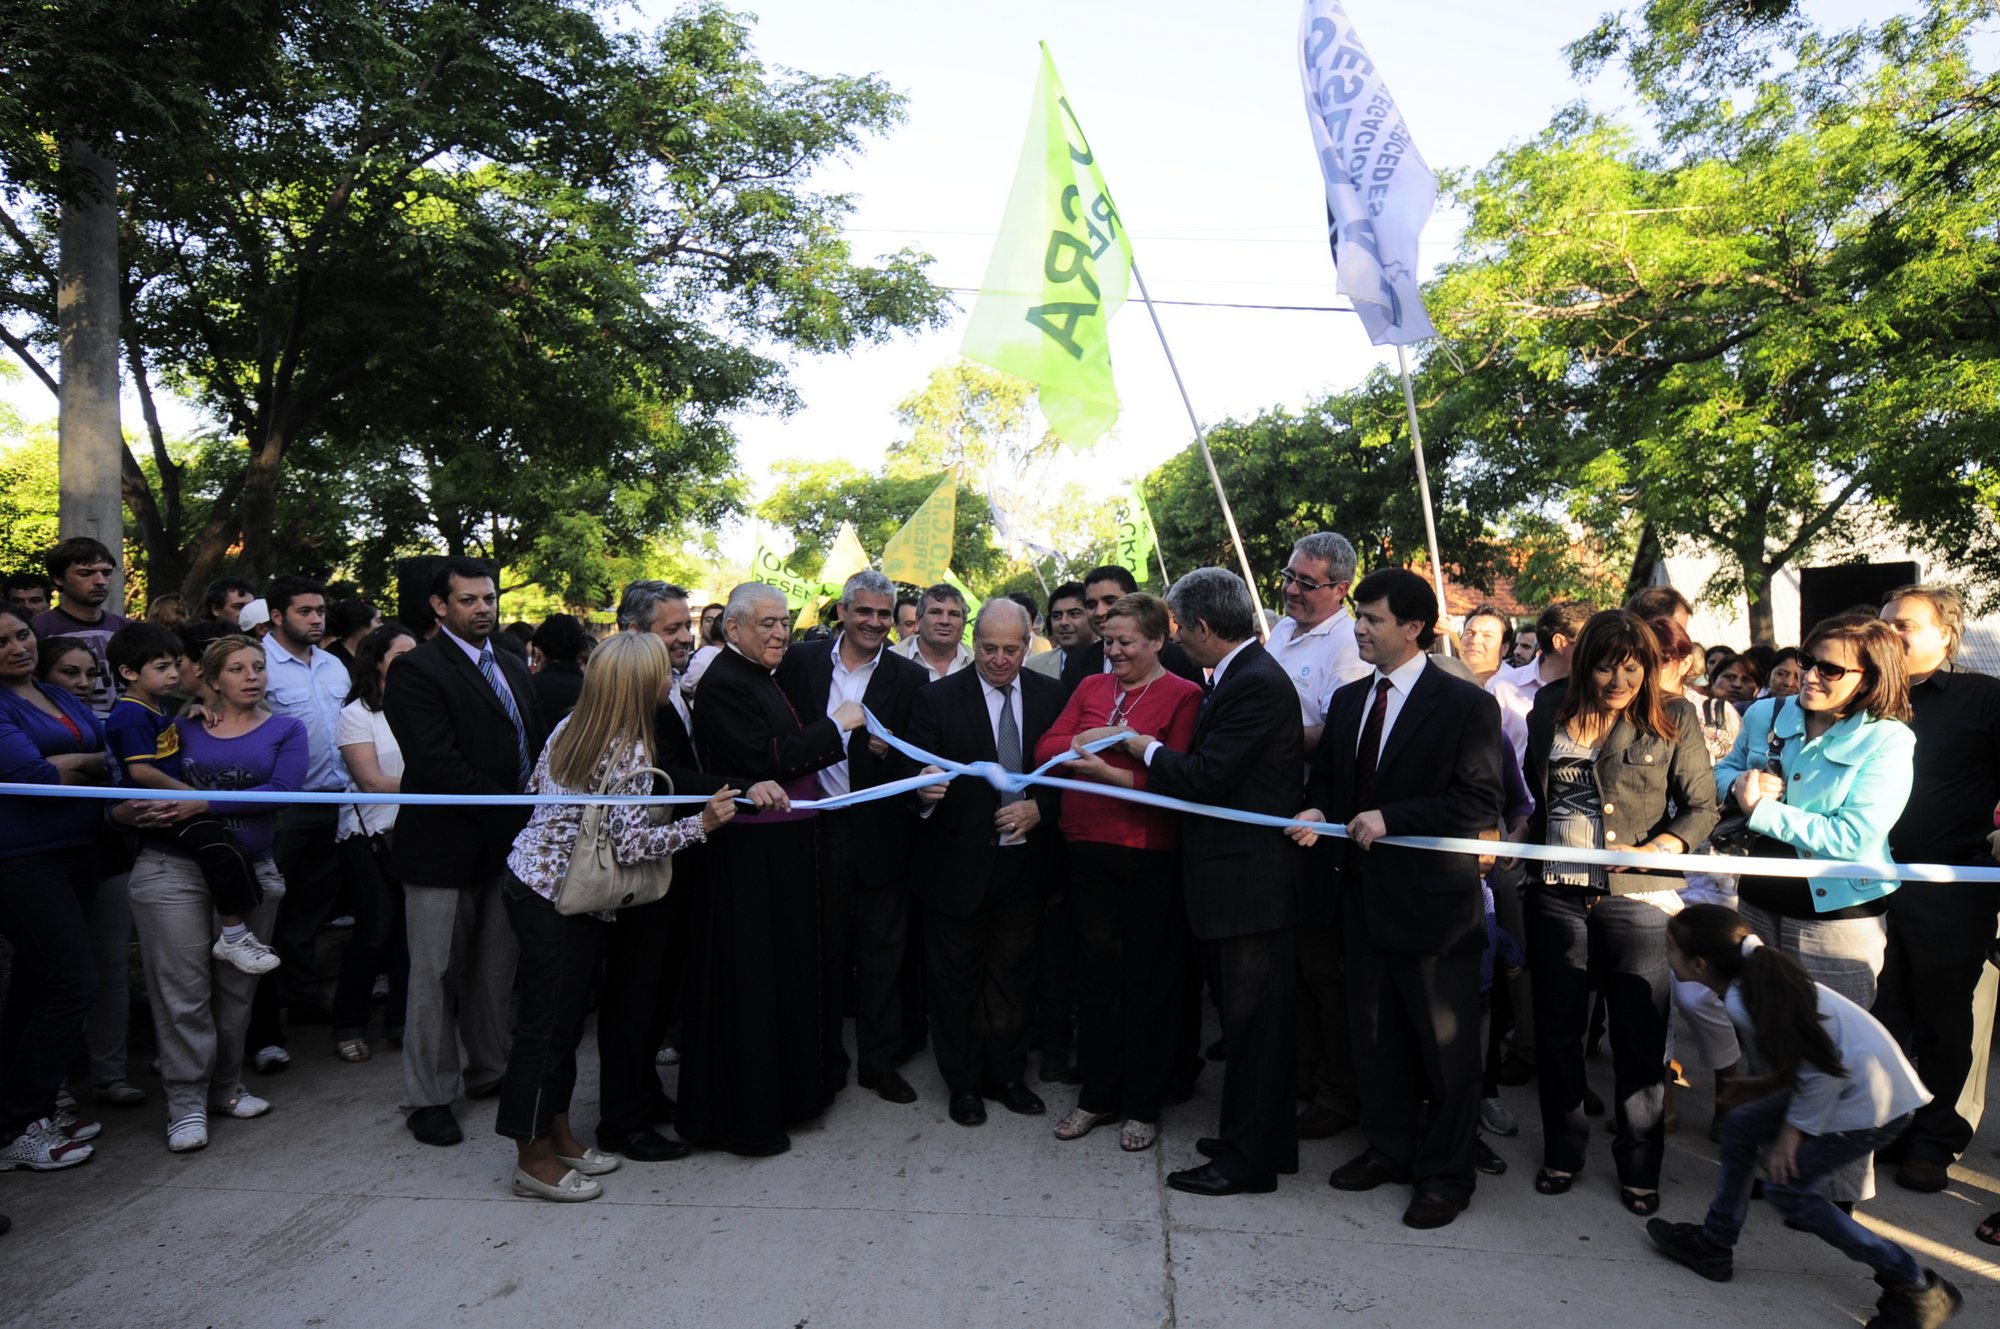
(1845, 750)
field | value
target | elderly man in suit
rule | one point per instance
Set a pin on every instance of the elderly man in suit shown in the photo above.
(1410, 750)
(864, 895)
(1241, 881)
(465, 717)
(988, 856)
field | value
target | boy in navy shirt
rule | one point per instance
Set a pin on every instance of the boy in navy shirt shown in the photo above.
(145, 751)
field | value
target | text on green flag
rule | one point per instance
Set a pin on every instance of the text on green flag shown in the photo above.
(920, 553)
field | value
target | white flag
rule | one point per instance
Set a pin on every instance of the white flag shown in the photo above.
(1379, 192)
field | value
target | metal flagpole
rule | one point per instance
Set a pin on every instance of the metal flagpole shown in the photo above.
(1424, 491)
(1228, 517)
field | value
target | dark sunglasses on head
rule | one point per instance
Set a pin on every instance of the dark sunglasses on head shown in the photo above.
(1826, 669)
(1306, 584)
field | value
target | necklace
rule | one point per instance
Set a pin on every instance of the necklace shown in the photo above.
(1126, 701)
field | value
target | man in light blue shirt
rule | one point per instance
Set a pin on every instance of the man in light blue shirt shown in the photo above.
(310, 685)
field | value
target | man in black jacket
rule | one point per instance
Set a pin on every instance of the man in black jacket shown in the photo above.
(864, 894)
(984, 858)
(1101, 589)
(1241, 881)
(465, 717)
(1410, 750)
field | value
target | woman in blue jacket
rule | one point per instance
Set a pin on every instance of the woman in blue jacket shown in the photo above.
(1843, 749)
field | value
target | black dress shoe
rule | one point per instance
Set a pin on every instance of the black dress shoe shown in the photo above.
(643, 1146)
(1485, 1159)
(968, 1109)
(435, 1125)
(1015, 1097)
(1208, 1179)
(1434, 1208)
(892, 1087)
(1367, 1170)
(1319, 1122)
(1208, 1146)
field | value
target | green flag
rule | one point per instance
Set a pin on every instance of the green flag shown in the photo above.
(1136, 541)
(972, 602)
(1058, 273)
(920, 553)
(798, 591)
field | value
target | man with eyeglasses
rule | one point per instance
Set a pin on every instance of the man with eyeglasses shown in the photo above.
(1314, 644)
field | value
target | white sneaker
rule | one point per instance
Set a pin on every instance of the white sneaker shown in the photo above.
(246, 953)
(43, 1148)
(188, 1134)
(242, 1106)
(74, 1127)
(271, 1060)
(1496, 1118)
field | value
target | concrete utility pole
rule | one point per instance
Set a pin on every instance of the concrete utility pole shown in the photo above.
(90, 438)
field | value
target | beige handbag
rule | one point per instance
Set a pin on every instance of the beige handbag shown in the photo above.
(595, 881)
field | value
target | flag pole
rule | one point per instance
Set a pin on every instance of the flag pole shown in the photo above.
(1200, 437)
(1154, 531)
(1424, 491)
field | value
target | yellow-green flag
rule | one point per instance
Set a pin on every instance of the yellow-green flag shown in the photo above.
(1058, 273)
(920, 553)
(1136, 541)
(767, 567)
(972, 602)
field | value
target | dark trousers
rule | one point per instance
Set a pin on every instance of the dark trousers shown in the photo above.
(1571, 936)
(45, 904)
(1126, 904)
(1325, 1071)
(228, 873)
(309, 861)
(1255, 987)
(630, 1097)
(1058, 983)
(1416, 1022)
(864, 930)
(379, 945)
(980, 972)
(1939, 937)
(560, 958)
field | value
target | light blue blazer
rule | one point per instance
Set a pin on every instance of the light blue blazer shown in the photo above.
(1843, 791)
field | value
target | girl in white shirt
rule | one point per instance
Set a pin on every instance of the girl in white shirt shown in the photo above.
(1823, 1084)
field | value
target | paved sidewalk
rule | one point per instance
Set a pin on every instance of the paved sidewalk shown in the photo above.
(327, 1213)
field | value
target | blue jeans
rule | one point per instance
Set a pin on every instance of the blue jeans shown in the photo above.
(1754, 1126)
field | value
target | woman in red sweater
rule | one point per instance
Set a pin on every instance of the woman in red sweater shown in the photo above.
(1125, 879)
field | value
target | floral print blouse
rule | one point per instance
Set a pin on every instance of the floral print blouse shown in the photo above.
(541, 852)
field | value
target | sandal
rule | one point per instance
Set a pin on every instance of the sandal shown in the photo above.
(1553, 1183)
(1080, 1123)
(1643, 1203)
(1137, 1135)
(352, 1049)
(1989, 1231)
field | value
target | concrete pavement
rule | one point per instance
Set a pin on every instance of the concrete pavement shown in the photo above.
(327, 1213)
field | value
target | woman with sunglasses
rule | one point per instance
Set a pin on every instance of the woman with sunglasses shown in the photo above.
(1844, 751)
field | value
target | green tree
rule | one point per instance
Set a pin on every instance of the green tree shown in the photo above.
(28, 496)
(1343, 463)
(510, 266)
(1744, 339)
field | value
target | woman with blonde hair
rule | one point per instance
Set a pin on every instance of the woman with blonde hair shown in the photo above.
(606, 744)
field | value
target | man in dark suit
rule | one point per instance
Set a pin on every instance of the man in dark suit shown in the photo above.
(864, 894)
(465, 717)
(984, 858)
(1410, 750)
(1241, 881)
(1101, 589)
(644, 954)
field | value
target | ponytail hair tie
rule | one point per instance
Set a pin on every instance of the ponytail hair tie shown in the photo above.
(1751, 941)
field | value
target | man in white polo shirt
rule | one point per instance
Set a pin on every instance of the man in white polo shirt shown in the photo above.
(1314, 644)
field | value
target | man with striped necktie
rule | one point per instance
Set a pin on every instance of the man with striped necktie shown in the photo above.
(466, 718)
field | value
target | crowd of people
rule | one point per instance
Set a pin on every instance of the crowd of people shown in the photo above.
(1362, 984)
